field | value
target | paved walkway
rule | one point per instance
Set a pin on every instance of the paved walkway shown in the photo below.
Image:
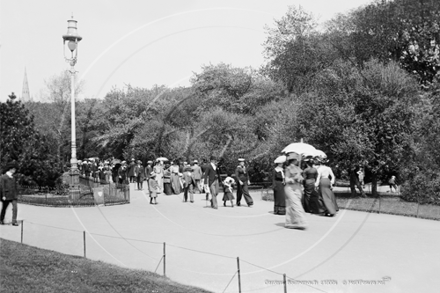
(347, 253)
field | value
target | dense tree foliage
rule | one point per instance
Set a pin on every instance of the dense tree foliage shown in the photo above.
(21, 143)
(365, 90)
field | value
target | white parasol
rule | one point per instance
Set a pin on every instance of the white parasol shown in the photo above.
(299, 148)
(319, 153)
(280, 159)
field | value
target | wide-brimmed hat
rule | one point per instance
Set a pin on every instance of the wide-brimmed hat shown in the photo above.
(195, 162)
(139, 161)
(280, 159)
(10, 166)
(150, 162)
(241, 160)
(124, 162)
(293, 156)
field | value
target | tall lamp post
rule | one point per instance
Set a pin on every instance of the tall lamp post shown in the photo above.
(72, 38)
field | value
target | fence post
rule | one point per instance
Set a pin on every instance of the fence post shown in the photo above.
(164, 260)
(380, 201)
(418, 204)
(238, 274)
(22, 222)
(84, 238)
(285, 283)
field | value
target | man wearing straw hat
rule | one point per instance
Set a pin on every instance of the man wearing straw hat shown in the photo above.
(242, 177)
(197, 174)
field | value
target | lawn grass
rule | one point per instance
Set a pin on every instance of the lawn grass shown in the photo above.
(393, 206)
(25, 269)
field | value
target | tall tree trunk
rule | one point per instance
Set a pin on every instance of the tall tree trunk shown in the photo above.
(228, 143)
(374, 185)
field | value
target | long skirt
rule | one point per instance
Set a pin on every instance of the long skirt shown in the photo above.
(312, 201)
(175, 183)
(328, 197)
(295, 215)
(279, 199)
(228, 195)
(159, 180)
(167, 188)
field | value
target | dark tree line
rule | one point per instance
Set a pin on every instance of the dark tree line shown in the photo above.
(364, 90)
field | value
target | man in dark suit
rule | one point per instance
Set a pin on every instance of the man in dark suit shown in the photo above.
(9, 193)
(122, 173)
(131, 174)
(139, 172)
(212, 178)
(87, 169)
(242, 177)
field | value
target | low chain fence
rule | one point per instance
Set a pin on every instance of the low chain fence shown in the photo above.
(234, 277)
(91, 193)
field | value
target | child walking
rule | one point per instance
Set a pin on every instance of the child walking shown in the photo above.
(153, 187)
(227, 188)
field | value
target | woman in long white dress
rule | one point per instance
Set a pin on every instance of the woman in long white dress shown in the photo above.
(295, 214)
(158, 170)
(175, 179)
(325, 181)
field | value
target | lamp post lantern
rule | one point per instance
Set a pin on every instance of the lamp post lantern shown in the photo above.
(72, 38)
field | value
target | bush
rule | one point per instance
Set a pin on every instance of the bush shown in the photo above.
(423, 188)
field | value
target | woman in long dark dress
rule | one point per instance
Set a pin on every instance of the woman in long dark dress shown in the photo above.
(325, 182)
(312, 202)
(167, 181)
(278, 187)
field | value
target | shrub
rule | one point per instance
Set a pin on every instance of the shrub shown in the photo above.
(423, 188)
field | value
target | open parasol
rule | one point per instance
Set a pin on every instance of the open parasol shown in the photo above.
(299, 148)
(161, 159)
(319, 153)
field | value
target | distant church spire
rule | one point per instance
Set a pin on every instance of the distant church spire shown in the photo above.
(25, 95)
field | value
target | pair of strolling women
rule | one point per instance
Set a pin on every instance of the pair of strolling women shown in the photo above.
(297, 192)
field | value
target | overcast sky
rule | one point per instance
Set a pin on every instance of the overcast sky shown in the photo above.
(137, 42)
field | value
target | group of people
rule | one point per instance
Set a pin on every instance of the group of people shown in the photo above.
(298, 191)
(173, 177)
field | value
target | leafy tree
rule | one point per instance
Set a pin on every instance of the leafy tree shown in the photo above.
(52, 117)
(295, 50)
(21, 143)
(403, 31)
(364, 118)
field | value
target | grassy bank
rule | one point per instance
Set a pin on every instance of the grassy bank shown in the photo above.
(26, 269)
